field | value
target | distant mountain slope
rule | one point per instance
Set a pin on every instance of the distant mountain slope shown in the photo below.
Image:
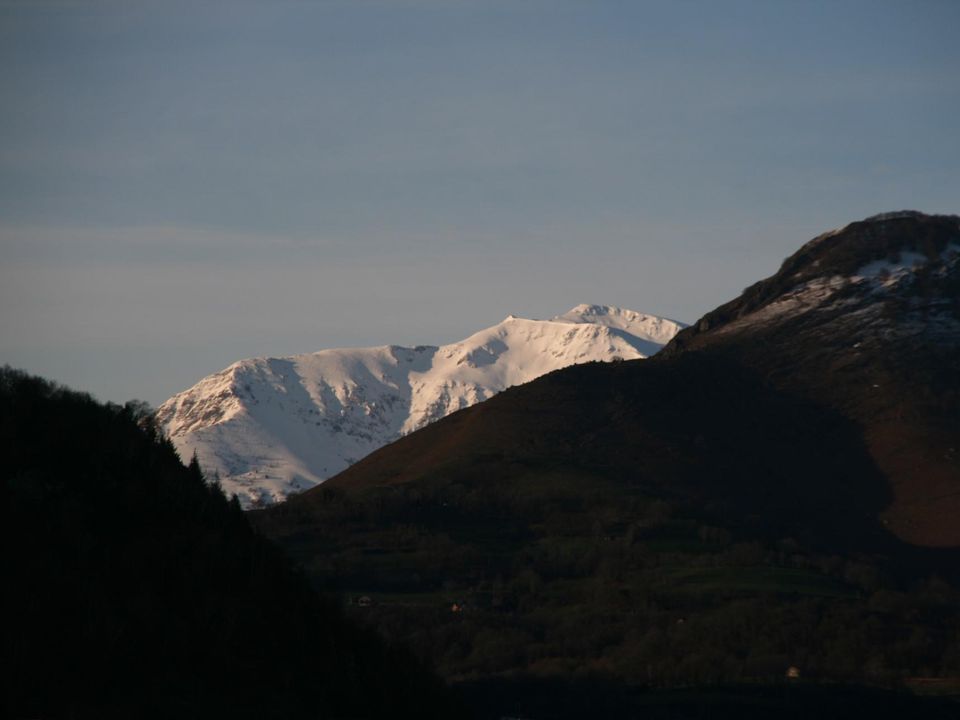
(270, 426)
(134, 589)
(825, 398)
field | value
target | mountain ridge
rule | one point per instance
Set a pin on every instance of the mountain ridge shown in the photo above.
(271, 426)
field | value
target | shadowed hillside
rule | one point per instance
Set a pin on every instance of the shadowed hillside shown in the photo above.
(698, 430)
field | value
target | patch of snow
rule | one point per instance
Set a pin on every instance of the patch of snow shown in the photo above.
(884, 274)
(886, 269)
(860, 310)
(803, 297)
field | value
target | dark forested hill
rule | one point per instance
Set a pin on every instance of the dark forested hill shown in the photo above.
(134, 589)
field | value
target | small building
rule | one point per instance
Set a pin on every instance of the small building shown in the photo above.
(365, 601)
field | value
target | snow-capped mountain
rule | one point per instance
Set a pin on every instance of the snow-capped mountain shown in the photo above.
(272, 426)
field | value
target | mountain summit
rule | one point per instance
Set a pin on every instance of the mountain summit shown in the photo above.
(895, 270)
(271, 426)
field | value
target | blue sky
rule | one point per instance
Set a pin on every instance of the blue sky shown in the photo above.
(186, 184)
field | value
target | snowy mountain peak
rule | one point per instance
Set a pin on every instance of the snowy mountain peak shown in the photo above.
(650, 328)
(890, 275)
(271, 426)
